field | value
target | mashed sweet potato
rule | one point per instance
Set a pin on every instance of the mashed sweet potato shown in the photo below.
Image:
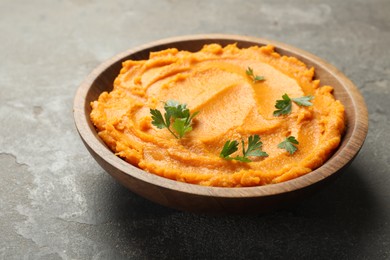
(231, 106)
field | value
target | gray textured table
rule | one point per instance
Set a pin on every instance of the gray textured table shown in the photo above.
(57, 203)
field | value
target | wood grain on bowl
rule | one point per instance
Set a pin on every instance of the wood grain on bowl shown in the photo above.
(198, 198)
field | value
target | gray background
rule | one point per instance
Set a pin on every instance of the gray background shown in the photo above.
(57, 203)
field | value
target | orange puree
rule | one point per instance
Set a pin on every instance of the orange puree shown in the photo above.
(231, 106)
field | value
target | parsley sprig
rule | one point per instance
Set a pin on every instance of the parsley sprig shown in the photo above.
(176, 115)
(284, 105)
(254, 149)
(289, 144)
(254, 77)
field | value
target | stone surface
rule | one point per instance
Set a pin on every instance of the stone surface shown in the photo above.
(57, 203)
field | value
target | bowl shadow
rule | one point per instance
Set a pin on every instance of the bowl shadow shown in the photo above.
(332, 223)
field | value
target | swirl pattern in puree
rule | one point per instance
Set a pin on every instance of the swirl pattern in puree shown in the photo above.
(231, 106)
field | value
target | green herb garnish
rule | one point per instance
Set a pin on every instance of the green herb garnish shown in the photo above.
(176, 115)
(256, 78)
(289, 144)
(303, 101)
(284, 105)
(229, 148)
(254, 149)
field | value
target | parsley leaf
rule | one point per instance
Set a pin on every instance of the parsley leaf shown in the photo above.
(289, 144)
(158, 119)
(254, 149)
(284, 105)
(303, 101)
(181, 127)
(256, 78)
(229, 148)
(176, 112)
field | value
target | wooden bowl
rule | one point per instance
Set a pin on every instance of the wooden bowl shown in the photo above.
(198, 198)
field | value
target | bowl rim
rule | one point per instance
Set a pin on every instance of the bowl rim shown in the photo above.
(357, 138)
